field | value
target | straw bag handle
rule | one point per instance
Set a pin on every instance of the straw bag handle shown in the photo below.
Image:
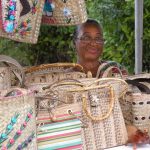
(45, 66)
(64, 82)
(140, 79)
(108, 79)
(104, 66)
(84, 101)
(12, 62)
(100, 69)
(112, 79)
(107, 71)
(142, 87)
(10, 92)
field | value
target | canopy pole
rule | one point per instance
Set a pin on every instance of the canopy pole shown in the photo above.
(138, 35)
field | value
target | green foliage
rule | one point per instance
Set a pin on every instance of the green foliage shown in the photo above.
(55, 43)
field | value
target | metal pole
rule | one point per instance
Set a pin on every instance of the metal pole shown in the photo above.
(138, 35)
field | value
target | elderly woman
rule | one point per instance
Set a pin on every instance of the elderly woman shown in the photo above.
(89, 42)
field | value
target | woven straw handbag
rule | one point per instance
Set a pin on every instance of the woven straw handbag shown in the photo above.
(21, 19)
(136, 105)
(143, 78)
(64, 12)
(10, 69)
(64, 130)
(39, 76)
(17, 120)
(95, 105)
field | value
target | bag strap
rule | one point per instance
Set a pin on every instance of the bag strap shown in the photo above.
(99, 118)
(109, 69)
(102, 68)
(108, 79)
(142, 87)
(64, 82)
(53, 65)
(13, 63)
(141, 80)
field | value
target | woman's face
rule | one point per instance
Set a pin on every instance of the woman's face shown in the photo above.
(89, 43)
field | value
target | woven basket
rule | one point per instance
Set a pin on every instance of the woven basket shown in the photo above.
(21, 19)
(143, 78)
(136, 106)
(10, 69)
(98, 110)
(17, 117)
(39, 76)
(64, 12)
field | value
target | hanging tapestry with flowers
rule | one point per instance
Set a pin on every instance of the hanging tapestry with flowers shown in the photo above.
(20, 19)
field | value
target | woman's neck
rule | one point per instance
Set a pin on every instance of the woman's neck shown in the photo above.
(91, 66)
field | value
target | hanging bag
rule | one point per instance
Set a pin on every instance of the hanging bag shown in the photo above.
(21, 19)
(64, 12)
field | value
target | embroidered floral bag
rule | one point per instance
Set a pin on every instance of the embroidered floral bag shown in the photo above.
(17, 120)
(64, 12)
(21, 19)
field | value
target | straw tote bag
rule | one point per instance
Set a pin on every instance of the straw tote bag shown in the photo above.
(10, 69)
(97, 108)
(64, 12)
(39, 76)
(21, 19)
(136, 105)
(17, 120)
(62, 131)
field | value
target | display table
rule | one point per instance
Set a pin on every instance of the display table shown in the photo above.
(139, 147)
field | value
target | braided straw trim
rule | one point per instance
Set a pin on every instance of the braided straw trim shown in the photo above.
(45, 66)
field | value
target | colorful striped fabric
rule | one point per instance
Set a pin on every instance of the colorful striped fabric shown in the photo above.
(64, 134)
